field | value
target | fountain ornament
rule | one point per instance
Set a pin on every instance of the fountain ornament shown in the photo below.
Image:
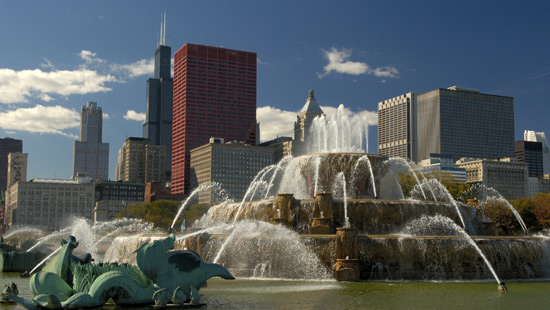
(160, 277)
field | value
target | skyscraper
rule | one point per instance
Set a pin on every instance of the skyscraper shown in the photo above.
(214, 96)
(395, 127)
(91, 155)
(530, 135)
(7, 146)
(458, 121)
(158, 122)
(140, 161)
(530, 152)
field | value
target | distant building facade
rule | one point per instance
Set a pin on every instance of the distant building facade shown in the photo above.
(395, 127)
(233, 165)
(49, 203)
(214, 96)
(141, 162)
(91, 155)
(17, 167)
(458, 121)
(114, 197)
(530, 135)
(442, 167)
(7, 146)
(282, 147)
(303, 123)
(508, 177)
(158, 121)
(530, 153)
(160, 191)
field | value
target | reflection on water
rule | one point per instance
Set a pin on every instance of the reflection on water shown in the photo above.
(278, 294)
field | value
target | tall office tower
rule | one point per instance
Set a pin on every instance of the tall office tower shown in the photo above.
(395, 127)
(91, 155)
(530, 153)
(458, 121)
(214, 96)
(139, 161)
(7, 146)
(17, 167)
(305, 117)
(158, 121)
(530, 135)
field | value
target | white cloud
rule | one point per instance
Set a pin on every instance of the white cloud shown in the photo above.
(337, 62)
(369, 117)
(41, 119)
(276, 122)
(91, 76)
(132, 115)
(135, 69)
(48, 64)
(90, 57)
(19, 86)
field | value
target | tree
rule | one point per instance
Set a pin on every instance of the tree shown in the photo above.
(407, 182)
(455, 188)
(502, 216)
(525, 207)
(541, 209)
(195, 212)
(161, 213)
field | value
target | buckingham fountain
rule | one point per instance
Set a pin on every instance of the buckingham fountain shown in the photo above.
(339, 213)
(335, 213)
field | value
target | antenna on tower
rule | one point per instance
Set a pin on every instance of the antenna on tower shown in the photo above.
(162, 38)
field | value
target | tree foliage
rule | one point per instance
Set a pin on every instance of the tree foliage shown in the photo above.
(541, 209)
(456, 189)
(407, 182)
(525, 207)
(195, 212)
(502, 217)
(162, 212)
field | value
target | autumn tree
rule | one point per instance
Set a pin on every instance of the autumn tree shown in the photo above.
(541, 209)
(501, 216)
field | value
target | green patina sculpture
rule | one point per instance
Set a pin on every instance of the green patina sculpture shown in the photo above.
(162, 277)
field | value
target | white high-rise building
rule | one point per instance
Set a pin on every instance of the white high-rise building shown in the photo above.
(530, 135)
(91, 155)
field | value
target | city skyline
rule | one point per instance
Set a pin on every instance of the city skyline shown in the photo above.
(63, 54)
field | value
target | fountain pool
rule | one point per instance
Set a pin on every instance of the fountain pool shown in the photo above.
(280, 294)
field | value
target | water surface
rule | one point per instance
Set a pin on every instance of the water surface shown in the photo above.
(279, 294)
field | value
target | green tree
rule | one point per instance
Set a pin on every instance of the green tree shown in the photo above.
(407, 182)
(195, 212)
(456, 189)
(161, 213)
(525, 207)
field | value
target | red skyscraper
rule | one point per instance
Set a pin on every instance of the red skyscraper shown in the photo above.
(214, 96)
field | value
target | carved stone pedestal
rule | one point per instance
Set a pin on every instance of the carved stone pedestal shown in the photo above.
(320, 226)
(347, 254)
(346, 270)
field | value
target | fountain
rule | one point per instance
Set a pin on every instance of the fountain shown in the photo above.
(340, 213)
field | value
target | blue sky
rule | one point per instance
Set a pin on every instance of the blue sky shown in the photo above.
(56, 55)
